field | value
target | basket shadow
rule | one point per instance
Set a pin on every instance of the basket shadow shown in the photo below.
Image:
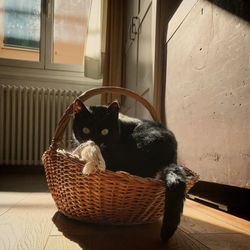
(96, 237)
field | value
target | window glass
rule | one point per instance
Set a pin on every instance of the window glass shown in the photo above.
(20, 29)
(70, 31)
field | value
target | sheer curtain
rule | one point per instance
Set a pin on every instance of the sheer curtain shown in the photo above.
(96, 40)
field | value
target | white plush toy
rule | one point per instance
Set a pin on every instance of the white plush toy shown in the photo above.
(91, 154)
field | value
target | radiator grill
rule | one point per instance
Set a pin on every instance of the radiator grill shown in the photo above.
(28, 117)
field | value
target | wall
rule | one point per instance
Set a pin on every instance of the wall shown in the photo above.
(208, 89)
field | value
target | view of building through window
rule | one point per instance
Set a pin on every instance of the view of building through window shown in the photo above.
(22, 24)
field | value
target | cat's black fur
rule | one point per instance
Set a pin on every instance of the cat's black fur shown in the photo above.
(140, 147)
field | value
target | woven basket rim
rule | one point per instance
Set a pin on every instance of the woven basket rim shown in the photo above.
(121, 175)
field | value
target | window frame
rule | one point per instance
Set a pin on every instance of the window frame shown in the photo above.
(45, 63)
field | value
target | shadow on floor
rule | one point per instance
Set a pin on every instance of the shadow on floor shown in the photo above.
(93, 237)
(146, 237)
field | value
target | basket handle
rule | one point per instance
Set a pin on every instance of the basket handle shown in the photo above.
(61, 126)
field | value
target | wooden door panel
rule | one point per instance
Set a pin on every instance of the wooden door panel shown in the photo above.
(139, 58)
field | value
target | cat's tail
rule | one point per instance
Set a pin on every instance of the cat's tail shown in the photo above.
(175, 181)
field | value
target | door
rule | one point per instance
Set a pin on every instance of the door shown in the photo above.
(140, 54)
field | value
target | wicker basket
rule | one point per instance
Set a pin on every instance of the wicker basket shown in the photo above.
(103, 197)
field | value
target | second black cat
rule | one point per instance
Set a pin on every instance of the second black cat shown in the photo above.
(140, 147)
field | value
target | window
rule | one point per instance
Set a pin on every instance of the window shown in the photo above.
(46, 34)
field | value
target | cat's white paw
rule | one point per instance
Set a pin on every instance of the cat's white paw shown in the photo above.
(91, 154)
(101, 165)
(89, 168)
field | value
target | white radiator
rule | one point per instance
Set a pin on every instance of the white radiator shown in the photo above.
(28, 117)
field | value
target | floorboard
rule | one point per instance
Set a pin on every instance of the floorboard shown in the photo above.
(27, 224)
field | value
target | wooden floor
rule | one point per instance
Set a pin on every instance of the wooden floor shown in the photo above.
(29, 220)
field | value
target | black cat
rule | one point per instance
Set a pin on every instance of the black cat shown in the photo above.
(140, 147)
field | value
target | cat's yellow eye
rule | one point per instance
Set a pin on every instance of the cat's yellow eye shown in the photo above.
(86, 130)
(105, 131)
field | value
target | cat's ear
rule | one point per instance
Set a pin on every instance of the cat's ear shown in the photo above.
(78, 107)
(114, 108)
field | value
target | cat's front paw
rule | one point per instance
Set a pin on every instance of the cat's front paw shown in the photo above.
(89, 168)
